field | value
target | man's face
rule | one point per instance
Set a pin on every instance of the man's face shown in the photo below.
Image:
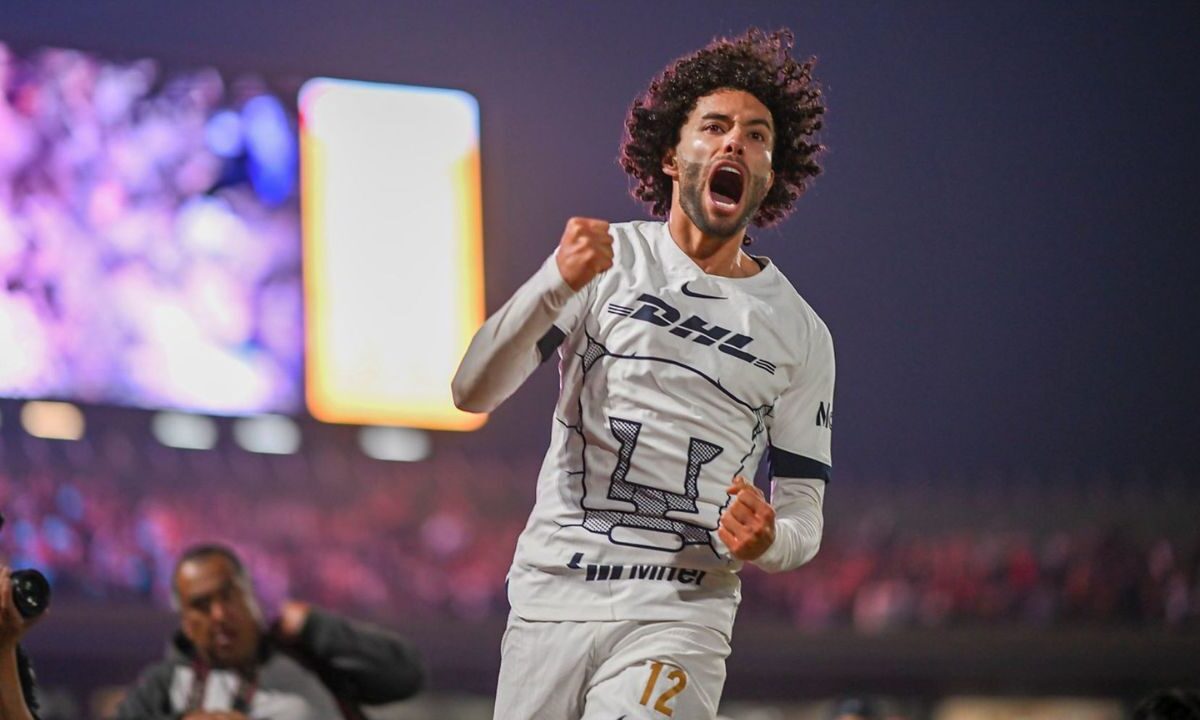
(216, 613)
(722, 164)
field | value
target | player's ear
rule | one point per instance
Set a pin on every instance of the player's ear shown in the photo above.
(669, 167)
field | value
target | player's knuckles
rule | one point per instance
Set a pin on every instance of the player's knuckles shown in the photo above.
(760, 507)
(580, 245)
(599, 243)
(590, 251)
(746, 498)
(596, 265)
(741, 512)
(584, 264)
(575, 234)
(732, 524)
(586, 224)
(750, 503)
(753, 494)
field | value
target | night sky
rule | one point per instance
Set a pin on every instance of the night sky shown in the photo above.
(1004, 242)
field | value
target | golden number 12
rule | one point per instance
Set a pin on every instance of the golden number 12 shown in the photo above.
(677, 675)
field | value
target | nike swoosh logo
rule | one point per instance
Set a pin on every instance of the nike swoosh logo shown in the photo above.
(692, 293)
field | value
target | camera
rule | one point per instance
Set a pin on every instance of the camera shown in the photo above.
(30, 590)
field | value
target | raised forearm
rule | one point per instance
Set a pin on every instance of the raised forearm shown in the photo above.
(504, 352)
(799, 522)
(360, 662)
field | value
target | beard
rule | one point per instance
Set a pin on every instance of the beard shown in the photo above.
(691, 199)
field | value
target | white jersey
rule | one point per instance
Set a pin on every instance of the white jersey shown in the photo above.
(673, 382)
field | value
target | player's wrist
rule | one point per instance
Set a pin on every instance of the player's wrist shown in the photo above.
(773, 558)
(553, 283)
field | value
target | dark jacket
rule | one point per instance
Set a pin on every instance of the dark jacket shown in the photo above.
(335, 666)
(28, 680)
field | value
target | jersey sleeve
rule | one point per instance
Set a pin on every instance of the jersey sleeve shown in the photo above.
(800, 460)
(517, 338)
(801, 425)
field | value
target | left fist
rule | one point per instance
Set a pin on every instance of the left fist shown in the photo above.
(293, 614)
(748, 525)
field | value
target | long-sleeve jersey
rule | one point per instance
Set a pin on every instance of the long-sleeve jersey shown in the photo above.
(673, 382)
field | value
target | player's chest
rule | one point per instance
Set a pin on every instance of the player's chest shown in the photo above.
(725, 337)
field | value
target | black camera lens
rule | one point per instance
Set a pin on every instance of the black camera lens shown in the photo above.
(31, 592)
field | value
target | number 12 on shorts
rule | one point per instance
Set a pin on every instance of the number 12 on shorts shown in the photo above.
(678, 679)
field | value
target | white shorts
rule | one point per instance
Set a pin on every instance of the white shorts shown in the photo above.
(608, 670)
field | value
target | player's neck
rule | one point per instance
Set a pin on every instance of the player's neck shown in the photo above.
(713, 254)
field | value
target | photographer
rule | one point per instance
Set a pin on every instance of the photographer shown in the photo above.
(16, 676)
(226, 664)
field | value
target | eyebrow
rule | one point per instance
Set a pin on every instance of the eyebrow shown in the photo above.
(722, 116)
(204, 597)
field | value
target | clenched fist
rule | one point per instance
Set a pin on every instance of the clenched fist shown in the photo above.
(585, 251)
(747, 526)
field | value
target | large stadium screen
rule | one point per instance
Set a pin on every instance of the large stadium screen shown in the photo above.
(149, 236)
(151, 244)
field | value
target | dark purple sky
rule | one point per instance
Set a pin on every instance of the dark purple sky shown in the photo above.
(1004, 243)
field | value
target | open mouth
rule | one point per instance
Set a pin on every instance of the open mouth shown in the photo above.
(223, 639)
(725, 186)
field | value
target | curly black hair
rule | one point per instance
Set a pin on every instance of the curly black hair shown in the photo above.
(757, 62)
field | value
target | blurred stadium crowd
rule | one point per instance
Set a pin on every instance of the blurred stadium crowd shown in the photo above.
(105, 520)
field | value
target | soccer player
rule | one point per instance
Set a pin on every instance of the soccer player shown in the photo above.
(683, 360)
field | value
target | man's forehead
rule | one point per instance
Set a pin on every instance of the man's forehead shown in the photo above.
(733, 103)
(204, 575)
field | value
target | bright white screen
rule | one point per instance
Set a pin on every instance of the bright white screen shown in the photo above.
(392, 250)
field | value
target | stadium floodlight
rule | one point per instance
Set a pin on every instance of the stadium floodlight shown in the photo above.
(269, 434)
(184, 430)
(395, 444)
(52, 420)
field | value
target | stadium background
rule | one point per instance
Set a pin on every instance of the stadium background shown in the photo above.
(1003, 244)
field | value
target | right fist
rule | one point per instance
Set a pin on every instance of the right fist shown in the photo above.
(585, 251)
